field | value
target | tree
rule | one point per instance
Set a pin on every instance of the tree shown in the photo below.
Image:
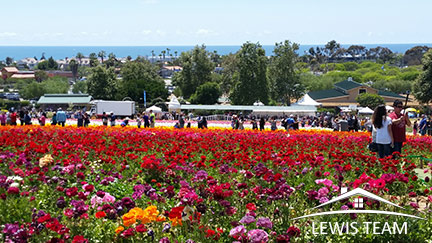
(80, 87)
(197, 68)
(380, 53)
(139, 76)
(102, 83)
(229, 73)
(41, 75)
(52, 64)
(42, 65)
(252, 82)
(357, 52)
(206, 94)
(414, 55)
(93, 60)
(73, 65)
(331, 48)
(32, 91)
(283, 75)
(423, 85)
(370, 100)
(79, 56)
(9, 61)
(102, 55)
(55, 85)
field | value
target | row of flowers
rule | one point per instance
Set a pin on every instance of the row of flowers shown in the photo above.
(119, 184)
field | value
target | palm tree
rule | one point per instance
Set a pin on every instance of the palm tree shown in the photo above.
(163, 55)
(74, 68)
(79, 56)
(102, 55)
(153, 55)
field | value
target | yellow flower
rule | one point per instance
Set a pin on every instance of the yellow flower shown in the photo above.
(46, 160)
(129, 219)
(119, 229)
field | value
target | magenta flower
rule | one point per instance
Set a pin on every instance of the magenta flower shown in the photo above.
(264, 222)
(237, 231)
(257, 236)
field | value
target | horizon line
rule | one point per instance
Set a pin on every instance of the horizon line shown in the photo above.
(122, 45)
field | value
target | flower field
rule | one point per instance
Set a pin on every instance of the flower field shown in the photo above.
(104, 184)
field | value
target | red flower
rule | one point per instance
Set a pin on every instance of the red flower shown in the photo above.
(293, 231)
(251, 206)
(13, 190)
(141, 228)
(100, 214)
(88, 188)
(44, 218)
(79, 239)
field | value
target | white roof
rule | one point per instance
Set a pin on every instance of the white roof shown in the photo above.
(366, 110)
(307, 100)
(155, 109)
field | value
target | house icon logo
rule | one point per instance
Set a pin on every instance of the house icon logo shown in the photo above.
(358, 204)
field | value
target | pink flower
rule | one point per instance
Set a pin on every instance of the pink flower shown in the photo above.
(238, 231)
(326, 182)
(257, 236)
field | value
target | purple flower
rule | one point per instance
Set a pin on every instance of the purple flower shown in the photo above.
(344, 207)
(257, 236)
(238, 231)
(264, 222)
(164, 240)
(201, 175)
(247, 219)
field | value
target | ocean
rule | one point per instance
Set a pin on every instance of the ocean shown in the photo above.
(60, 52)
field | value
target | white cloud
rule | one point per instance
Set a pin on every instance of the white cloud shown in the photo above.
(146, 32)
(160, 32)
(206, 32)
(8, 34)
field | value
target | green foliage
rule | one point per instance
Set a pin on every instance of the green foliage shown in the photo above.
(314, 83)
(370, 100)
(394, 85)
(341, 76)
(34, 90)
(49, 64)
(40, 75)
(283, 76)
(207, 94)
(80, 87)
(7, 104)
(197, 68)
(252, 82)
(229, 73)
(139, 76)
(351, 66)
(73, 65)
(102, 83)
(423, 84)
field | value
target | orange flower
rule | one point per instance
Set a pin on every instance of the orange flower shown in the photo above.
(119, 229)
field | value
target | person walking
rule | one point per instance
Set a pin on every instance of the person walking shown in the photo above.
(61, 117)
(54, 119)
(3, 118)
(42, 119)
(384, 135)
(146, 120)
(104, 119)
(13, 118)
(181, 121)
(152, 119)
(399, 122)
(262, 123)
(112, 119)
(80, 118)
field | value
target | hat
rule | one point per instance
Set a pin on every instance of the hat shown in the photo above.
(291, 115)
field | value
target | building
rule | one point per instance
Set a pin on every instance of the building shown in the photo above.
(54, 101)
(168, 71)
(66, 74)
(13, 72)
(29, 62)
(345, 93)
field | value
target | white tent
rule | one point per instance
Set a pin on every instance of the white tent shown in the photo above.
(366, 110)
(389, 108)
(155, 109)
(307, 100)
(174, 104)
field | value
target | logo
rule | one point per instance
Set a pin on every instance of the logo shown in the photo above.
(358, 205)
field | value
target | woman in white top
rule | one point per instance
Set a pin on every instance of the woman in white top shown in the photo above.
(384, 135)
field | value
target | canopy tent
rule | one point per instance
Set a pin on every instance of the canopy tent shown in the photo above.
(366, 110)
(307, 100)
(258, 103)
(155, 109)
(389, 108)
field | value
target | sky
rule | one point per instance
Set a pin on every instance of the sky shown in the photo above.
(223, 22)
